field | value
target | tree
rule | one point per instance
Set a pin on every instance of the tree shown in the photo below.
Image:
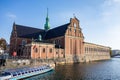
(3, 43)
(110, 52)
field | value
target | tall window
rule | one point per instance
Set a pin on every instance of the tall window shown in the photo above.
(75, 46)
(50, 50)
(85, 49)
(70, 45)
(55, 41)
(75, 25)
(58, 41)
(70, 29)
(43, 50)
(36, 50)
(24, 42)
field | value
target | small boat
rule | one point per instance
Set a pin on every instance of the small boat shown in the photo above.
(20, 73)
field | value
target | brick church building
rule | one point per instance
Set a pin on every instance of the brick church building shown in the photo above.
(65, 41)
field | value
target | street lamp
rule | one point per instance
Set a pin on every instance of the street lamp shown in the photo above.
(46, 52)
(59, 52)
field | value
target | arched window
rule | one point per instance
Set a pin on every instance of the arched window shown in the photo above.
(70, 29)
(50, 50)
(36, 50)
(24, 42)
(75, 25)
(43, 50)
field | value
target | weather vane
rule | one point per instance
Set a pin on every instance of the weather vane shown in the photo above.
(74, 14)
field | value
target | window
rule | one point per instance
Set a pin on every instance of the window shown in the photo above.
(75, 25)
(50, 50)
(36, 50)
(24, 42)
(75, 30)
(70, 29)
(43, 50)
(58, 41)
(55, 41)
(85, 49)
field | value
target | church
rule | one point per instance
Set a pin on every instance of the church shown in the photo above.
(65, 41)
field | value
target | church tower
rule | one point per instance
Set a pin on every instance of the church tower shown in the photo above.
(47, 25)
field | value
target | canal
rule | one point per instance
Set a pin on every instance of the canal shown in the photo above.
(99, 70)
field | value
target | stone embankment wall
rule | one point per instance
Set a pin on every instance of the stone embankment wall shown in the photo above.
(18, 63)
(11, 64)
(74, 58)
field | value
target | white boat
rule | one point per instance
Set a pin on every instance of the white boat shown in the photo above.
(20, 73)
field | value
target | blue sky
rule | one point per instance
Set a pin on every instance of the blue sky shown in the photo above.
(99, 19)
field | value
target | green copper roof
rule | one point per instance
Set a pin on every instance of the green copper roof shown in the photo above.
(47, 24)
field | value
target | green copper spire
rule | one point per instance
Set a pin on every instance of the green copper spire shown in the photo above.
(47, 25)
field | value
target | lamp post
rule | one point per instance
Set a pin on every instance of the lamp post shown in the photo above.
(36, 50)
(47, 53)
(39, 51)
(59, 52)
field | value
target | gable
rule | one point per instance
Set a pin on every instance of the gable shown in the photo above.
(74, 28)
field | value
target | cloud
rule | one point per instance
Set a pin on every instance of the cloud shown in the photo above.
(111, 2)
(116, 1)
(11, 15)
(106, 25)
(110, 18)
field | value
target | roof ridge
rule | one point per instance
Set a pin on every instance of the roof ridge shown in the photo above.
(57, 31)
(96, 44)
(27, 26)
(58, 26)
(33, 33)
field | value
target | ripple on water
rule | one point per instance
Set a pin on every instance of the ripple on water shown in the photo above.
(101, 70)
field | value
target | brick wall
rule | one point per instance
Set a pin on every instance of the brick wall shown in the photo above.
(74, 39)
(96, 52)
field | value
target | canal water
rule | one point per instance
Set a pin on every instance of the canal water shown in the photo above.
(99, 70)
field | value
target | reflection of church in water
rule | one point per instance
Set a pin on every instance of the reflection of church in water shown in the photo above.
(65, 41)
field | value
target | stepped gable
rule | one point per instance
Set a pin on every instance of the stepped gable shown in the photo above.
(56, 32)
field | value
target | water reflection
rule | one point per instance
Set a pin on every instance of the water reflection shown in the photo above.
(100, 70)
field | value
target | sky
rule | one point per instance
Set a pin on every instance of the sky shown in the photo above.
(99, 19)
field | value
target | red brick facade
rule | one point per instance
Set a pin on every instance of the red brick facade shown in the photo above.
(69, 46)
(71, 42)
(42, 50)
(74, 38)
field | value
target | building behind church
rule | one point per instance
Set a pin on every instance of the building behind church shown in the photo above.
(65, 41)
